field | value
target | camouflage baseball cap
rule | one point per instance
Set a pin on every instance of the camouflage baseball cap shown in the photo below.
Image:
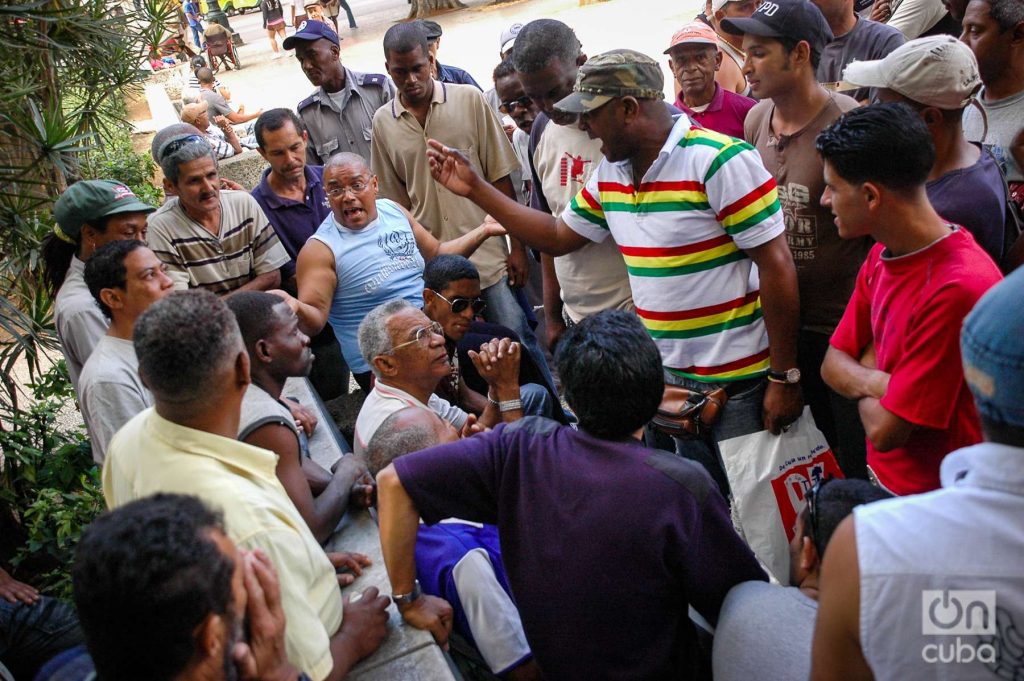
(619, 73)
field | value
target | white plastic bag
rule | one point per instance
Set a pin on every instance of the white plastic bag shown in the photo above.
(770, 476)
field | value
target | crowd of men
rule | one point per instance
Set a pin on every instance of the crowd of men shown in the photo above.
(823, 218)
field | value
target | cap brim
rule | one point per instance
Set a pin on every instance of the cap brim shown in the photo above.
(692, 41)
(866, 74)
(290, 41)
(132, 206)
(742, 25)
(582, 102)
(507, 45)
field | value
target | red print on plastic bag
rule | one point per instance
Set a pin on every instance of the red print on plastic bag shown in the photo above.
(797, 478)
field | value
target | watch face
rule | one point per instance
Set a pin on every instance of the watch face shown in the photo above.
(793, 376)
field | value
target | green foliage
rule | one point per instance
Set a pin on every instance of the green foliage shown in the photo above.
(65, 66)
(118, 161)
(48, 482)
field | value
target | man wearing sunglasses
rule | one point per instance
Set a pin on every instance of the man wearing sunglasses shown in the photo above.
(452, 299)
(764, 630)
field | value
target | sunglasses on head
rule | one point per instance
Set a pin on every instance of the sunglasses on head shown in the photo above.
(812, 506)
(459, 305)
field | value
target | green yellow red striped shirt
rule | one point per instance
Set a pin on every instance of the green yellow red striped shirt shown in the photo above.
(683, 234)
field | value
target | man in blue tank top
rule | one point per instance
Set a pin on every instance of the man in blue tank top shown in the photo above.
(367, 252)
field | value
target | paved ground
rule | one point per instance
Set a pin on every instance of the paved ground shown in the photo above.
(470, 39)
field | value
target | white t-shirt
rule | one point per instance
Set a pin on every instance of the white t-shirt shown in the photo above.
(110, 391)
(385, 400)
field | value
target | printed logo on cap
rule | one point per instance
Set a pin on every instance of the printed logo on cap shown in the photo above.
(768, 9)
(302, 27)
(122, 192)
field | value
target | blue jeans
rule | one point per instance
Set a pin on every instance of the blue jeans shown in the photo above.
(742, 415)
(196, 35)
(32, 634)
(537, 401)
(503, 308)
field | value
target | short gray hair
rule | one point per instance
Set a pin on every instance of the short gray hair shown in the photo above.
(374, 338)
(191, 150)
(183, 343)
(169, 133)
(397, 436)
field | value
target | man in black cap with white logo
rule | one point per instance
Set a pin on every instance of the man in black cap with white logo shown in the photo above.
(339, 114)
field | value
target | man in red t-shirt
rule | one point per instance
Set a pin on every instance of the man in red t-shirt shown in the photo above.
(896, 349)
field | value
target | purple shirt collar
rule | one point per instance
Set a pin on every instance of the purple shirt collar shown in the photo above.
(715, 105)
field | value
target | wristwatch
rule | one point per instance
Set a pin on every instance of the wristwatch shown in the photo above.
(510, 405)
(407, 599)
(789, 376)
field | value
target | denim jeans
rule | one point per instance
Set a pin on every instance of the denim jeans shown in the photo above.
(32, 634)
(503, 308)
(196, 36)
(740, 416)
(537, 401)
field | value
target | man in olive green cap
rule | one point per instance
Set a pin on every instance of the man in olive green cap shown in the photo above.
(692, 211)
(88, 215)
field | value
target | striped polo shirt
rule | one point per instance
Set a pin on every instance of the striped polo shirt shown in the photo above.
(704, 200)
(244, 248)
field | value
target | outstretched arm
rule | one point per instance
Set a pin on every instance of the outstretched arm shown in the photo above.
(464, 245)
(316, 278)
(534, 228)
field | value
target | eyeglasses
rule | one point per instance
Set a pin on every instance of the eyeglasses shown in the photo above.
(174, 145)
(423, 336)
(459, 305)
(356, 188)
(510, 106)
(812, 507)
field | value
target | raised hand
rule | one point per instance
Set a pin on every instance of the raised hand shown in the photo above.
(451, 168)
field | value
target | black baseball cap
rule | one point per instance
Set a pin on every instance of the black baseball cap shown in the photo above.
(431, 28)
(792, 19)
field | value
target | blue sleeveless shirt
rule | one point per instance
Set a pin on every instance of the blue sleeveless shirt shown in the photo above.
(375, 264)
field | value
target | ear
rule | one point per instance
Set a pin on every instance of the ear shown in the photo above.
(931, 116)
(385, 365)
(242, 375)
(261, 351)
(428, 296)
(209, 638)
(718, 60)
(112, 298)
(801, 53)
(809, 558)
(581, 60)
(264, 154)
(168, 187)
(872, 195)
(630, 109)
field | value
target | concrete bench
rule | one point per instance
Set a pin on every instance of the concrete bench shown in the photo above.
(407, 654)
(246, 168)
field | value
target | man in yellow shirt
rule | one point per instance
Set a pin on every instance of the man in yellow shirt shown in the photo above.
(192, 358)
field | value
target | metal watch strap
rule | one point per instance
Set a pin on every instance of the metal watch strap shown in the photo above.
(406, 599)
(510, 405)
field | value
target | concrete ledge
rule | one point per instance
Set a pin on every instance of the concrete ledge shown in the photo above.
(245, 168)
(407, 654)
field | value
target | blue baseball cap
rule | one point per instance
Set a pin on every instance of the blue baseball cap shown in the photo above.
(992, 347)
(310, 30)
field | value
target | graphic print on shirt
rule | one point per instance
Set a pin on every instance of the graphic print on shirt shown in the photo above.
(400, 246)
(801, 222)
(572, 169)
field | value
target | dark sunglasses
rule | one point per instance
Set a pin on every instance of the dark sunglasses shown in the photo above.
(812, 507)
(510, 106)
(459, 305)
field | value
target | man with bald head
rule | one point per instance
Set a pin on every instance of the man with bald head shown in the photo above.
(366, 252)
(457, 561)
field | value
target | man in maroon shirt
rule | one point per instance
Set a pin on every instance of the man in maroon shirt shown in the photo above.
(897, 348)
(694, 57)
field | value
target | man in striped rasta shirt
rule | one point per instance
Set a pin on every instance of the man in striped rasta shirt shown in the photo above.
(692, 212)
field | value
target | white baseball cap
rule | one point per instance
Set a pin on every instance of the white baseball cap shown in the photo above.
(719, 4)
(508, 37)
(937, 71)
